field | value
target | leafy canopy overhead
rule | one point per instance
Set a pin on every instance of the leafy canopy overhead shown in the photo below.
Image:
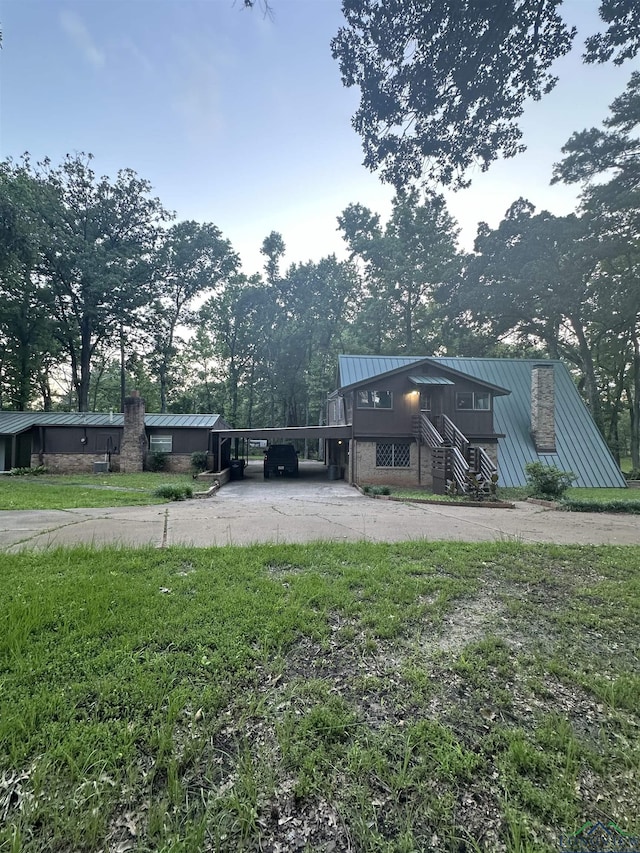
(443, 82)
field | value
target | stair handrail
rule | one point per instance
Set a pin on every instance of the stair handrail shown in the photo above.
(459, 469)
(428, 432)
(487, 467)
(454, 436)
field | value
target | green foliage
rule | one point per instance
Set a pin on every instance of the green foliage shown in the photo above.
(408, 262)
(156, 460)
(173, 492)
(425, 111)
(376, 490)
(199, 461)
(578, 505)
(547, 481)
(479, 489)
(29, 472)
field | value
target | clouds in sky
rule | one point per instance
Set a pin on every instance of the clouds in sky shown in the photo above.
(77, 31)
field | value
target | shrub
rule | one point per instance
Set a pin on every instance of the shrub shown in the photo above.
(172, 492)
(199, 461)
(29, 472)
(376, 490)
(574, 505)
(479, 489)
(157, 460)
(547, 481)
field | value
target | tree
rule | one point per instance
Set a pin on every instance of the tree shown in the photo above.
(28, 344)
(537, 278)
(405, 263)
(190, 261)
(100, 235)
(607, 164)
(444, 82)
(231, 330)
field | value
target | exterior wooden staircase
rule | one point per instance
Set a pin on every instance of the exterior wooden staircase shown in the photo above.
(456, 464)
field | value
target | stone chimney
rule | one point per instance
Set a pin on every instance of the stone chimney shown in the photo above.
(543, 424)
(134, 439)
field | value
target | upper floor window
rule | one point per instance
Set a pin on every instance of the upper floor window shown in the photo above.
(375, 399)
(478, 401)
(160, 443)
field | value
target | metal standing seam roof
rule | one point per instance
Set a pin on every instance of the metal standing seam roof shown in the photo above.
(12, 423)
(579, 445)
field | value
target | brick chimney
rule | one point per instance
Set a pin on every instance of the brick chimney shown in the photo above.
(134, 438)
(543, 425)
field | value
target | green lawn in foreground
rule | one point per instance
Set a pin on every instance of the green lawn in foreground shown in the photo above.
(409, 697)
(50, 491)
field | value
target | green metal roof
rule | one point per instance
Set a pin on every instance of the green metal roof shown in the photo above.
(12, 423)
(579, 446)
(357, 369)
(430, 380)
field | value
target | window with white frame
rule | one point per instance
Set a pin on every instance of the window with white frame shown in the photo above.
(375, 399)
(478, 401)
(160, 443)
(392, 455)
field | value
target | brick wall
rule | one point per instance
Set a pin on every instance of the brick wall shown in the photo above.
(179, 463)
(367, 472)
(70, 463)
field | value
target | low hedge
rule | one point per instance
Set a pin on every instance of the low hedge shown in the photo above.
(600, 506)
(173, 492)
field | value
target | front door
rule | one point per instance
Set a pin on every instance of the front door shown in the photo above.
(431, 401)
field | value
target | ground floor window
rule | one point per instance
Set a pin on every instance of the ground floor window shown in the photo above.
(392, 455)
(160, 443)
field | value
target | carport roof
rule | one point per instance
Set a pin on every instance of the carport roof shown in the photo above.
(290, 433)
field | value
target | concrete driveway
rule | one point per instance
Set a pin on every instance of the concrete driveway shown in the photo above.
(309, 508)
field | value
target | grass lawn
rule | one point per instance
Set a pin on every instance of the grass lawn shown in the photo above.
(521, 493)
(327, 697)
(69, 491)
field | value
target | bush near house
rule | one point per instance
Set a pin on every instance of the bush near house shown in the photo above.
(547, 481)
(199, 461)
(157, 461)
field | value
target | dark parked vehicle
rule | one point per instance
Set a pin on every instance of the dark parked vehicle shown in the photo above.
(280, 459)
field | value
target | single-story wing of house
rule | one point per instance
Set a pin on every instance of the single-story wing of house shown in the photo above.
(427, 421)
(71, 442)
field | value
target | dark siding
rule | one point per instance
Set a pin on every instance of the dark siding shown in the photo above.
(185, 440)
(105, 441)
(468, 422)
(387, 422)
(406, 402)
(67, 439)
(23, 450)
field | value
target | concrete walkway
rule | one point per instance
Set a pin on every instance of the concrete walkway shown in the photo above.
(252, 510)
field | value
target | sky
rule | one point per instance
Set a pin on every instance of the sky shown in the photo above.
(242, 120)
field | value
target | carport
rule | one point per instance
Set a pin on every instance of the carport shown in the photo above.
(334, 440)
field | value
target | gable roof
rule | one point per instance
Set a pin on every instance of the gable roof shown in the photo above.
(355, 370)
(579, 445)
(12, 423)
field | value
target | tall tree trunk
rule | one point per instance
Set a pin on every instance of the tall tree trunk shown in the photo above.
(123, 377)
(85, 365)
(589, 371)
(634, 407)
(162, 377)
